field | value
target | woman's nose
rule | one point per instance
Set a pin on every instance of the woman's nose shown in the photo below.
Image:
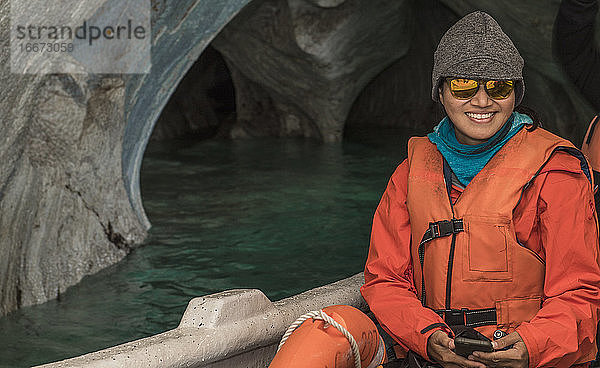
(481, 98)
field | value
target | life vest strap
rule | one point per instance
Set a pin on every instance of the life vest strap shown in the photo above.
(468, 317)
(440, 229)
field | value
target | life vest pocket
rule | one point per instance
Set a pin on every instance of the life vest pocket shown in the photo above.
(486, 249)
(510, 313)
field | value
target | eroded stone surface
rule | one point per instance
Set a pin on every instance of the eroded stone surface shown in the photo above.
(310, 61)
(64, 212)
(71, 148)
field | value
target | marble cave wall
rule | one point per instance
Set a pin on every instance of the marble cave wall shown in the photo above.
(71, 146)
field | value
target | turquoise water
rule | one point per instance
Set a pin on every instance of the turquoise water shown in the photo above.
(282, 216)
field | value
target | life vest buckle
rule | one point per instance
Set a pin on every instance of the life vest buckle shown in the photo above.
(453, 317)
(444, 228)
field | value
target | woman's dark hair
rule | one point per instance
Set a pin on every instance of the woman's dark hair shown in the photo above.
(532, 114)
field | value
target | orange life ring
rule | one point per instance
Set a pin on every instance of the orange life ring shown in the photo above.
(317, 344)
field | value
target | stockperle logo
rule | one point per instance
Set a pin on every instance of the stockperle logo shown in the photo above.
(75, 36)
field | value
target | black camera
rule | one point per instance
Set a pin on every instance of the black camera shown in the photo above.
(466, 347)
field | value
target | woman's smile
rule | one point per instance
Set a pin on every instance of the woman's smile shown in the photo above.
(481, 118)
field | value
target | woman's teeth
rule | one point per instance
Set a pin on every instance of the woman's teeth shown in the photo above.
(479, 116)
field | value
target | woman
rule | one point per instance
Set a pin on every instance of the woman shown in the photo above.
(489, 225)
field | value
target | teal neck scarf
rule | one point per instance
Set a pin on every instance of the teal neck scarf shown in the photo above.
(465, 160)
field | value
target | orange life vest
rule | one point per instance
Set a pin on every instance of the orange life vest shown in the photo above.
(480, 264)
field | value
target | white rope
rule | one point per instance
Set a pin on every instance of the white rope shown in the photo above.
(320, 315)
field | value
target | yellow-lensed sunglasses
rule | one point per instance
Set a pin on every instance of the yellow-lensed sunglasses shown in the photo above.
(464, 89)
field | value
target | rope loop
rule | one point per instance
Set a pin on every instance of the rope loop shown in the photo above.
(321, 315)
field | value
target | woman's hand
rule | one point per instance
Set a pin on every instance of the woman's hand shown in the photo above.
(517, 356)
(439, 348)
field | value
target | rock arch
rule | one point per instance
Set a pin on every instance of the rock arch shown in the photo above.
(181, 33)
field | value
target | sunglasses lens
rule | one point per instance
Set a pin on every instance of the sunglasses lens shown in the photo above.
(463, 89)
(499, 89)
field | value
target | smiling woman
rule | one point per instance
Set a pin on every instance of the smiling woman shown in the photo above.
(471, 235)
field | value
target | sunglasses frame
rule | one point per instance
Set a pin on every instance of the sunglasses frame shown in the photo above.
(479, 83)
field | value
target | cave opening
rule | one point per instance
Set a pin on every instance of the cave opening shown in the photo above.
(203, 105)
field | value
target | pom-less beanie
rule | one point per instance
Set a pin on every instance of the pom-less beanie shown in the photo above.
(475, 47)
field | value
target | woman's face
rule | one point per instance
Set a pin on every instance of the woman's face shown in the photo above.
(477, 119)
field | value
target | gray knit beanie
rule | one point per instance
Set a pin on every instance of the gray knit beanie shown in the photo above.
(476, 48)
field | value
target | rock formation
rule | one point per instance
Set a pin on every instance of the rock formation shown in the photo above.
(64, 212)
(298, 65)
(71, 150)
